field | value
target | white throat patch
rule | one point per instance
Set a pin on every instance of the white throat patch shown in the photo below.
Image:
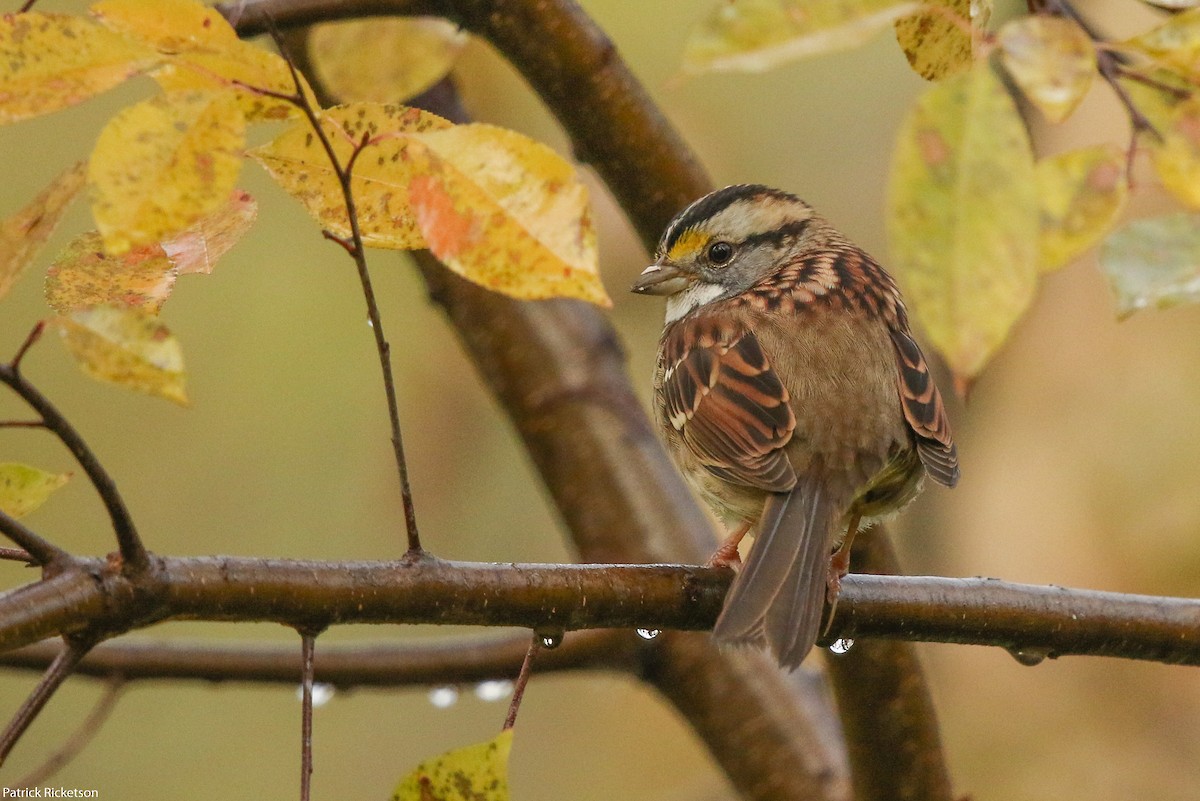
(691, 298)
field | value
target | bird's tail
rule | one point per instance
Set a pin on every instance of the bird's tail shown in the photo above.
(779, 595)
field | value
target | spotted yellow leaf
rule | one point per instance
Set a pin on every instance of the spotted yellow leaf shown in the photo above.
(1081, 193)
(757, 35)
(476, 772)
(1175, 43)
(202, 52)
(23, 488)
(51, 61)
(23, 234)
(938, 40)
(1154, 263)
(385, 59)
(162, 164)
(128, 347)
(298, 163)
(963, 217)
(84, 276)
(1052, 59)
(507, 213)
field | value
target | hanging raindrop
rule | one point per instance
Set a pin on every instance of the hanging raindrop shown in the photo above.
(648, 634)
(841, 645)
(493, 690)
(443, 697)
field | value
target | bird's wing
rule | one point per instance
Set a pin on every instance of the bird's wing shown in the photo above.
(729, 406)
(924, 410)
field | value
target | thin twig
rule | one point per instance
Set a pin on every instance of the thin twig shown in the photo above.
(357, 252)
(52, 679)
(26, 6)
(41, 551)
(22, 423)
(535, 644)
(307, 649)
(17, 555)
(79, 738)
(133, 553)
(34, 335)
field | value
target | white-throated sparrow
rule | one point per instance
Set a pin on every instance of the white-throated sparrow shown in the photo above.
(791, 394)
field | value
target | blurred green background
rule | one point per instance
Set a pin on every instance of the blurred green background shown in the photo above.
(1079, 453)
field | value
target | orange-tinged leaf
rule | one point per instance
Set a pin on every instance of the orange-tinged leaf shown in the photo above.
(197, 249)
(938, 40)
(476, 772)
(51, 61)
(963, 217)
(298, 163)
(1053, 61)
(507, 213)
(1081, 193)
(162, 164)
(384, 59)
(1154, 263)
(24, 488)
(127, 347)
(84, 276)
(23, 234)
(1175, 43)
(757, 35)
(168, 26)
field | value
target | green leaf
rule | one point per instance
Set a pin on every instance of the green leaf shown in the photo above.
(1154, 263)
(474, 773)
(127, 347)
(24, 488)
(963, 218)
(758, 35)
(1081, 194)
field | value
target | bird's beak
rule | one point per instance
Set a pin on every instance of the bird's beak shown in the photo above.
(661, 279)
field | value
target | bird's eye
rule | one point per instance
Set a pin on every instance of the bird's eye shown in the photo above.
(719, 253)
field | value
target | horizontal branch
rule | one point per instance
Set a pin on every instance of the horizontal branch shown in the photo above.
(392, 664)
(1031, 621)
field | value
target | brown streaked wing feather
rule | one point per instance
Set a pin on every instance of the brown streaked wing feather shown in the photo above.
(924, 410)
(729, 405)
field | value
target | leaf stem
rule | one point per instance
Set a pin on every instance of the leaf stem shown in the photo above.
(535, 644)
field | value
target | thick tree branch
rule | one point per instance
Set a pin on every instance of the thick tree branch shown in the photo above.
(887, 713)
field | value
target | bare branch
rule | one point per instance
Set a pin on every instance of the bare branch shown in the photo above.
(391, 664)
(36, 549)
(535, 644)
(308, 642)
(133, 553)
(51, 680)
(17, 555)
(78, 739)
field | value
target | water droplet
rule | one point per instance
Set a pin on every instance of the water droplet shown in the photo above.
(443, 697)
(494, 690)
(1029, 657)
(551, 640)
(648, 634)
(841, 645)
(370, 323)
(322, 694)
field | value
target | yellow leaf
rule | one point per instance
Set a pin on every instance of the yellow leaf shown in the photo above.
(757, 35)
(84, 276)
(22, 234)
(168, 26)
(1154, 263)
(938, 41)
(1175, 43)
(1053, 61)
(1081, 194)
(51, 61)
(507, 213)
(197, 249)
(298, 163)
(474, 773)
(203, 53)
(24, 488)
(162, 164)
(963, 218)
(384, 60)
(128, 347)
(1176, 156)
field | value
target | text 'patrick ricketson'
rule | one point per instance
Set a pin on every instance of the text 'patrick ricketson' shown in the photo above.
(47, 792)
